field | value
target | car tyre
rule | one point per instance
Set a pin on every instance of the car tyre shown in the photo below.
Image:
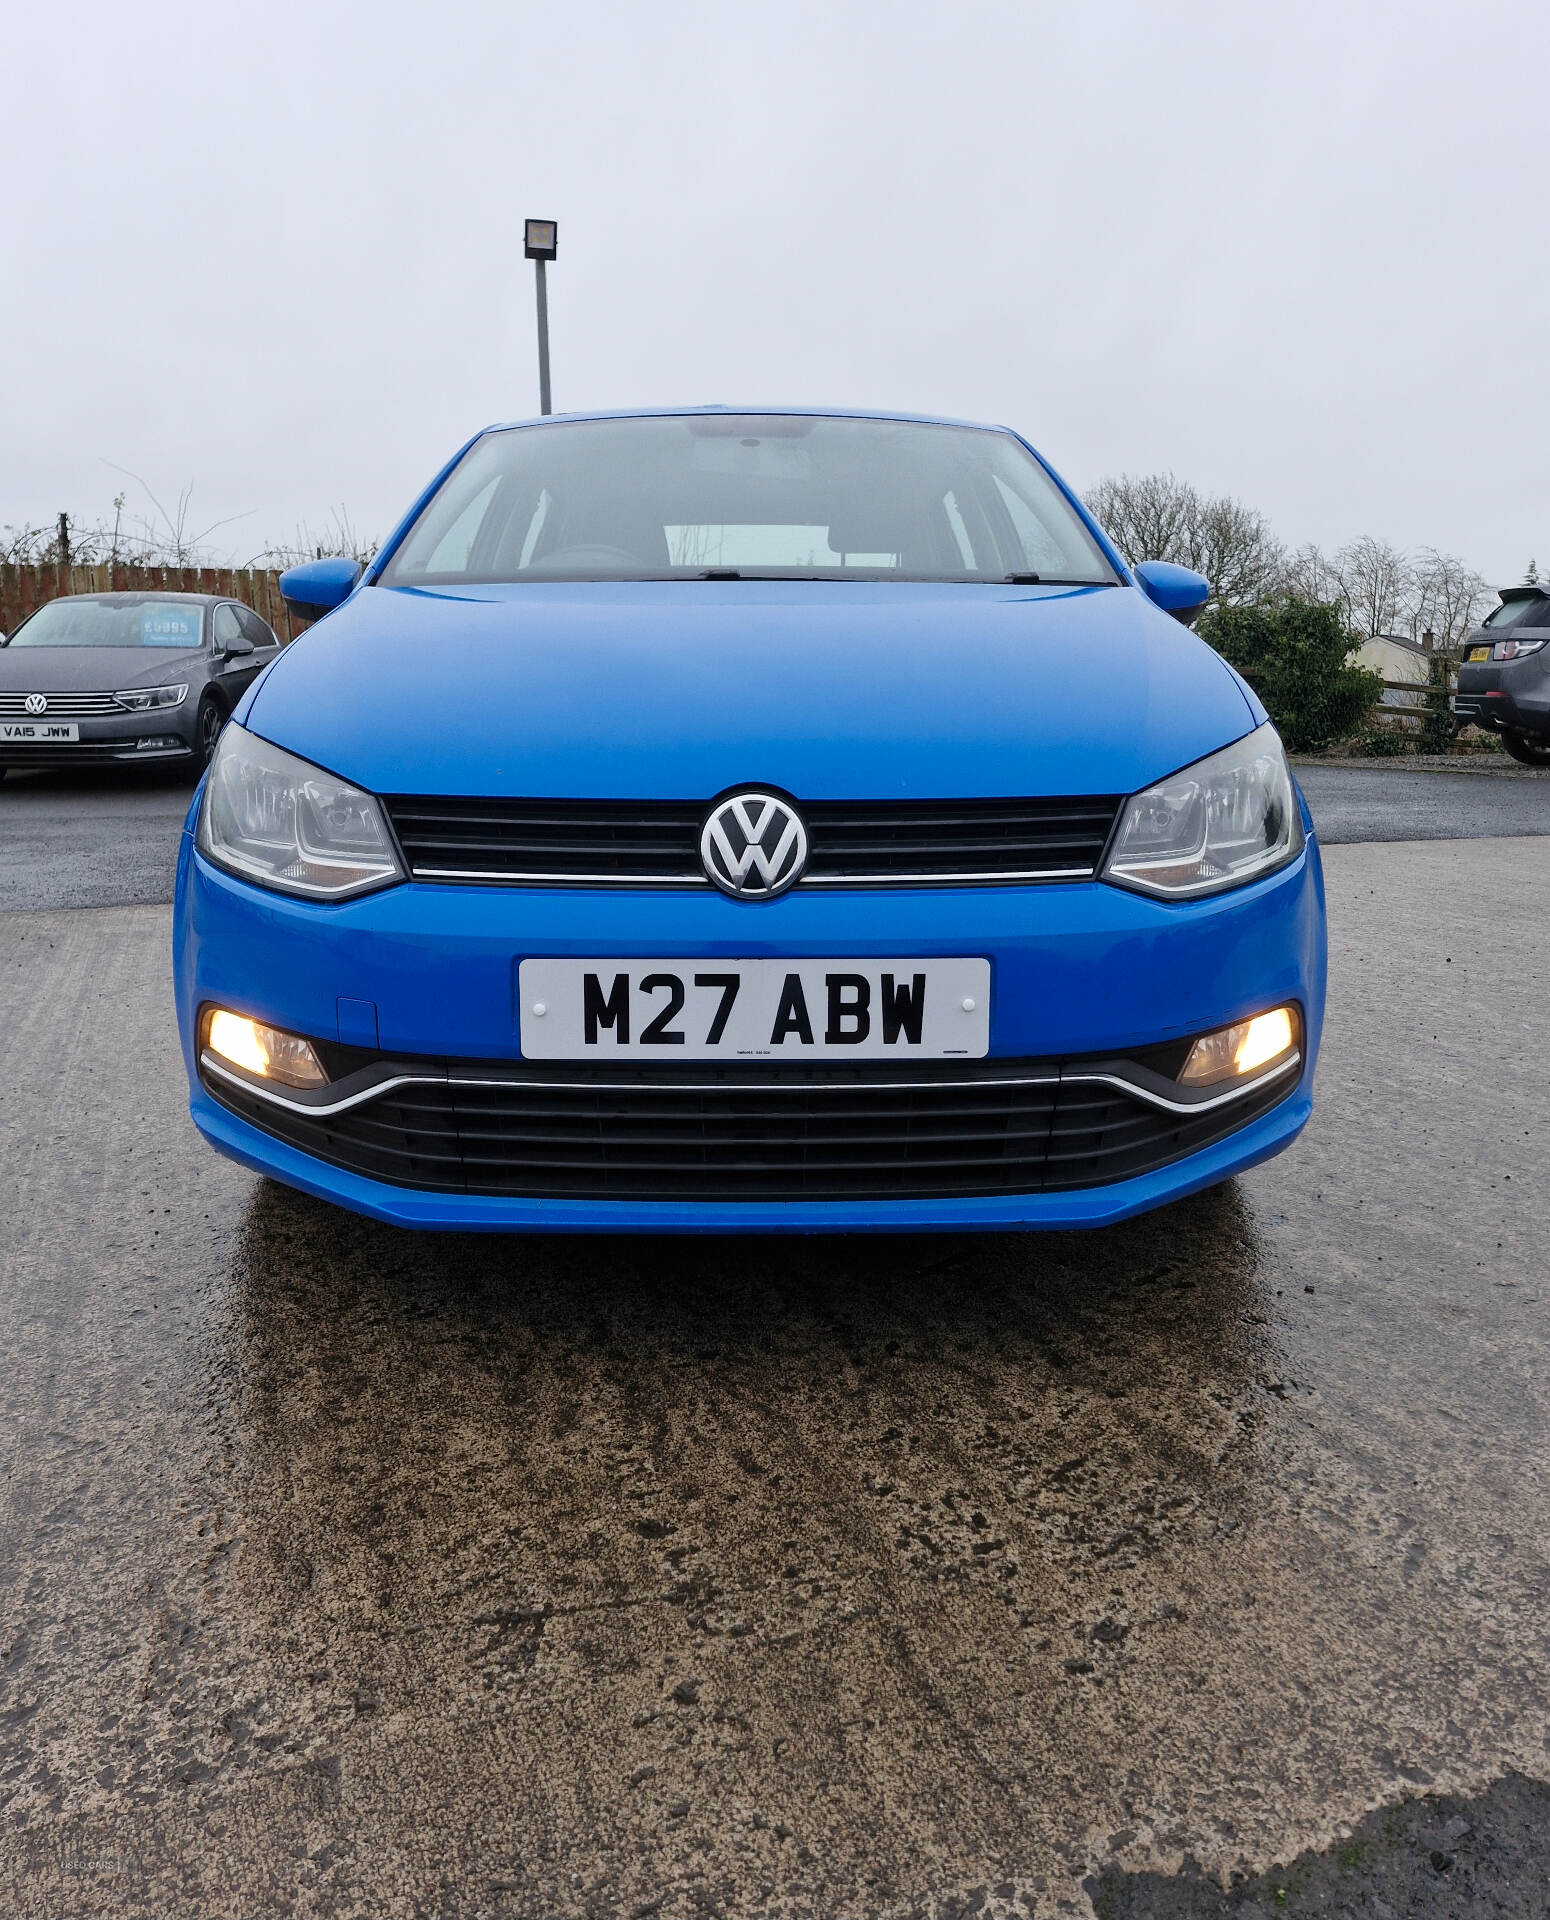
(1528, 749)
(207, 730)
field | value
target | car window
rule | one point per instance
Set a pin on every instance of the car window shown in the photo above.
(225, 627)
(451, 552)
(1532, 611)
(776, 495)
(113, 621)
(256, 629)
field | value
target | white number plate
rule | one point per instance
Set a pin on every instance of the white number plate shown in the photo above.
(705, 1009)
(45, 730)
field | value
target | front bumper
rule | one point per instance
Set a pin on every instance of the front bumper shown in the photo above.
(1079, 970)
(119, 739)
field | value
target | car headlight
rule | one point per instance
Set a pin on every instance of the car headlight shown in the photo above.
(145, 699)
(287, 824)
(1227, 819)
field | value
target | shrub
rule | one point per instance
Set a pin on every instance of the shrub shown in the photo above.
(1385, 743)
(1293, 654)
(1437, 727)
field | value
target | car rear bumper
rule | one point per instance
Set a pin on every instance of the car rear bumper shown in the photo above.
(1511, 697)
(1078, 971)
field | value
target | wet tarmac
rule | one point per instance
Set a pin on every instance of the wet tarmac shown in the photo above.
(347, 1572)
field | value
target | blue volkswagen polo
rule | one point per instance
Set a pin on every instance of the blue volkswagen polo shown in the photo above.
(749, 820)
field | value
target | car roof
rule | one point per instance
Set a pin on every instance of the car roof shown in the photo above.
(1533, 591)
(815, 413)
(131, 596)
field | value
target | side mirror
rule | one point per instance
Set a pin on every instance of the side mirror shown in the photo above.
(320, 585)
(1175, 589)
(238, 644)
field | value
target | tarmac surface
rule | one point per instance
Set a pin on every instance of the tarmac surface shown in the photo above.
(89, 839)
(346, 1572)
(1359, 800)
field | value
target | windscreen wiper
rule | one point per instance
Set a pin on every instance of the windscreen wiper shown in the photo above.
(1048, 580)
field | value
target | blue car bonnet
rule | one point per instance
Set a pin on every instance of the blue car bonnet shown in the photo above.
(680, 689)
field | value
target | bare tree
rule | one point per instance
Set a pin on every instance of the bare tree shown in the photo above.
(1312, 575)
(71, 541)
(1377, 581)
(1147, 516)
(338, 536)
(1447, 599)
(1157, 516)
(166, 538)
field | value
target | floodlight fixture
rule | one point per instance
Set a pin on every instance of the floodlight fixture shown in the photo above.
(540, 243)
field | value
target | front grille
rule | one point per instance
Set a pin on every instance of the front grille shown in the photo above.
(986, 1128)
(61, 706)
(657, 842)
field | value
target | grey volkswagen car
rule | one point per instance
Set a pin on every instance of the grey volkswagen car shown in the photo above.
(126, 678)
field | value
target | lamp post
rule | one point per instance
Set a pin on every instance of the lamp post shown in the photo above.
(540, 243)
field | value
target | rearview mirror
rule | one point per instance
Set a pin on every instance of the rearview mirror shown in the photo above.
(237, 644)
(320, 585)
(1177, 590)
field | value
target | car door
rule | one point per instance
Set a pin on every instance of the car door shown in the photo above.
(236, 659)
(266, 643)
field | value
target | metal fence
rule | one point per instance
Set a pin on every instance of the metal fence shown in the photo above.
(24, 589)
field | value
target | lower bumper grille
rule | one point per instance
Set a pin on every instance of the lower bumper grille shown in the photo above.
(1004, 1128)
(81, 753)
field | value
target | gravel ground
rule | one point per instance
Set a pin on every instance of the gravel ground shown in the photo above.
(347, 1573)
(1494, 763)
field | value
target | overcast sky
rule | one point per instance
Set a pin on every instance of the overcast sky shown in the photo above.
(1297, 250)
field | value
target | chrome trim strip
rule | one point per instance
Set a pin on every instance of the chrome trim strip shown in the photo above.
(765, 1086)
(64, 706)
(698, 879)
(562, 879)
(1186, 1106)
(208, 1061)
(942, 879)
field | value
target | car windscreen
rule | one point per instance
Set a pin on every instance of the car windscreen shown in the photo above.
(112, 623)
(1533, 610)
(767, 496)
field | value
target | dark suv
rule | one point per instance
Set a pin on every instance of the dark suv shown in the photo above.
(1504, 683)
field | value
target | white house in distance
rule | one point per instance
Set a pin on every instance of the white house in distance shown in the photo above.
(1394, 657)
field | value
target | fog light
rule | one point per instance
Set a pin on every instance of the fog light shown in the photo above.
(265, 1051)
(1233, 1053)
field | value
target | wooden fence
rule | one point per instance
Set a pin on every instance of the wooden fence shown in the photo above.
(1427, 698)
(23, 589)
